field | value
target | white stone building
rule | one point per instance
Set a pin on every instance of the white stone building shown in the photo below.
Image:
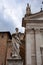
(33, 24)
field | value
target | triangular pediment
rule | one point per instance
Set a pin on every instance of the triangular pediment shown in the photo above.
(33, 18)
(37, 16)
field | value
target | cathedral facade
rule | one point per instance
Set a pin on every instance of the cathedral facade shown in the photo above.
(33, 24)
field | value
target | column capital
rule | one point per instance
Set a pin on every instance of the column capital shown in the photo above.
(37, 30)
(32, 30)
(29, 31)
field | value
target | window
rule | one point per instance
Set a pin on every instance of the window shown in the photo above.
(2, 35)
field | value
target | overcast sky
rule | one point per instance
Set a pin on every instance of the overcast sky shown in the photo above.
(12, 12)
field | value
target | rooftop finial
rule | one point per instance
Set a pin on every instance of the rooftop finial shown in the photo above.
(28, 11)
(41, 6)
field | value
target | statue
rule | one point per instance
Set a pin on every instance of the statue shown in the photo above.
(28, 11)
(15, 46)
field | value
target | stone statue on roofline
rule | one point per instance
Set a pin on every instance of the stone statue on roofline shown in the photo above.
(28, 10)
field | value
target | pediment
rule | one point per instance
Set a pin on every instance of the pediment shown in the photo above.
(36, 16)
(33, 18)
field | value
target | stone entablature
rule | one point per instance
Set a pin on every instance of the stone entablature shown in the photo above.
(34, 25)
(28, 21)
(30, 27)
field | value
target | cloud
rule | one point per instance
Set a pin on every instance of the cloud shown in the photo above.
(10, 15)
(12, 11)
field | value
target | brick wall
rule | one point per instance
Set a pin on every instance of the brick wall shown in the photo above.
(3, 46)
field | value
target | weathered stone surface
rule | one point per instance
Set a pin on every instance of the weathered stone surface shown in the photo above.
(14, 61)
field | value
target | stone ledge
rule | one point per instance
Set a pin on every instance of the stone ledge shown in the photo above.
(14, 59)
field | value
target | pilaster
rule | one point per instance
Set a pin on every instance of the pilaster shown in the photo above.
(29, 41)
(38, 44)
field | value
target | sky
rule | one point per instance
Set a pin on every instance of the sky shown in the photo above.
(12, 12)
